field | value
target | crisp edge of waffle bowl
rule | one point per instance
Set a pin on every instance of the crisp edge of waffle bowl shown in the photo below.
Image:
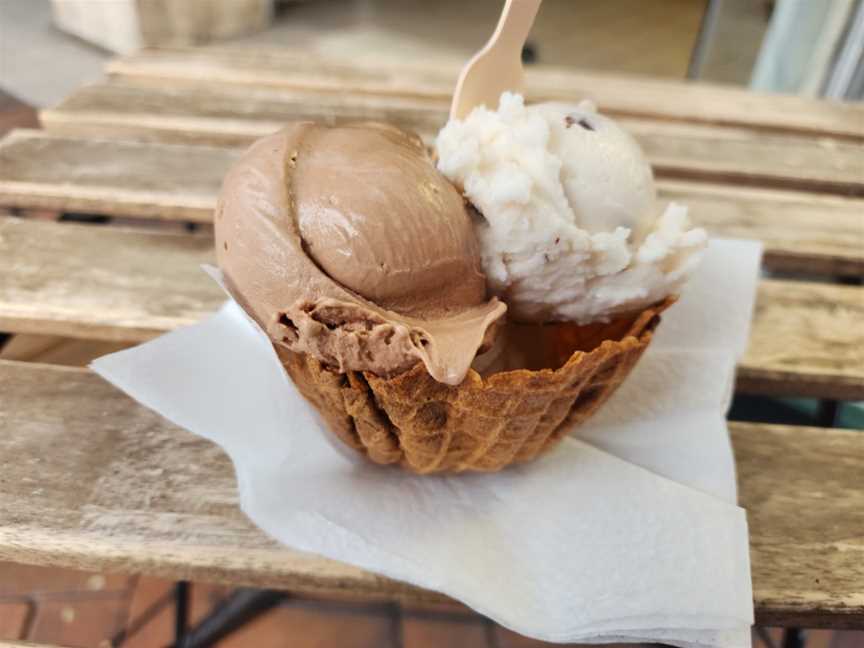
(483, 424)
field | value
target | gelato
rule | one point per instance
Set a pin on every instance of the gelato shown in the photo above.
(570, 229)
(365, 266)
(347, 244)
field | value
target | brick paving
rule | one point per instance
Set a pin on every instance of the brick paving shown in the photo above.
(74, 609)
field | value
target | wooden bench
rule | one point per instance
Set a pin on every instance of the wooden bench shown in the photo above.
(133, 493)
(230, 115)
(660, 100)
(120, 284)
(802, 231)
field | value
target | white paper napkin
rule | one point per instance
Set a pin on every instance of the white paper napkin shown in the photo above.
(627, 533)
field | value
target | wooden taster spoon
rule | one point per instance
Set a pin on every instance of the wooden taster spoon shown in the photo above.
(498, 66)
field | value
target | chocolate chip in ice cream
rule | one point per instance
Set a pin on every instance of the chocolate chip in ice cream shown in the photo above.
(569, 120)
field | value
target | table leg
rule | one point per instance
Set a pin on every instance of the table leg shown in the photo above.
(181, 611)
(490, 633)
(241, 607)
(793, 638)
(396, 638)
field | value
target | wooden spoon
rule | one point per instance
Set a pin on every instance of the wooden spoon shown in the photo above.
(498, 66)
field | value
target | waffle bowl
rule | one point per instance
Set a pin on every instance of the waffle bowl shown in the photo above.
(485, 423)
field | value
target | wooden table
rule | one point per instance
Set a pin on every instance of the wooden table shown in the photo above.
(90, 479)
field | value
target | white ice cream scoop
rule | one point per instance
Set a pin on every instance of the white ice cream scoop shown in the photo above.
(571, 230)
(606, 178)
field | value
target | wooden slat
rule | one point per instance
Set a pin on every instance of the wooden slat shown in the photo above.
(619, 95)
(802, 232)
(210, 114)
(115, 284)
(805, 521)
(808, 339)
(827, 167)
(101, 283)
(133, 493)
(114, 178)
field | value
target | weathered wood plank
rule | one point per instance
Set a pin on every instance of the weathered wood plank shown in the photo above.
(806, 521)
(805, 233)
(802, 232)
(114, 178)
(101, 283)
(828, 166)
(115, 500)
(619, 95)
(133, 493)
(115, 284)
(208, 114)
(811, 328)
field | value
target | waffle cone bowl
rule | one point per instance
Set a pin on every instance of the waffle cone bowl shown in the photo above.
(482, 424)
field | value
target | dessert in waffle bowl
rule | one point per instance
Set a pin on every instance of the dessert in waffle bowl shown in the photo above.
(458, 316)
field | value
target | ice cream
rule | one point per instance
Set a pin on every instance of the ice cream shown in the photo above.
(347, 244)
(570, 228)
(365, 266)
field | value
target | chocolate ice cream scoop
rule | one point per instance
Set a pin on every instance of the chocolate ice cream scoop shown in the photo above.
(346, 243)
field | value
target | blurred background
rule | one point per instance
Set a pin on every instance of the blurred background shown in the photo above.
(48, 48)
(809, 47)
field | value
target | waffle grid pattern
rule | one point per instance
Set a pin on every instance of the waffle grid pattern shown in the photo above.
(480, 425)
